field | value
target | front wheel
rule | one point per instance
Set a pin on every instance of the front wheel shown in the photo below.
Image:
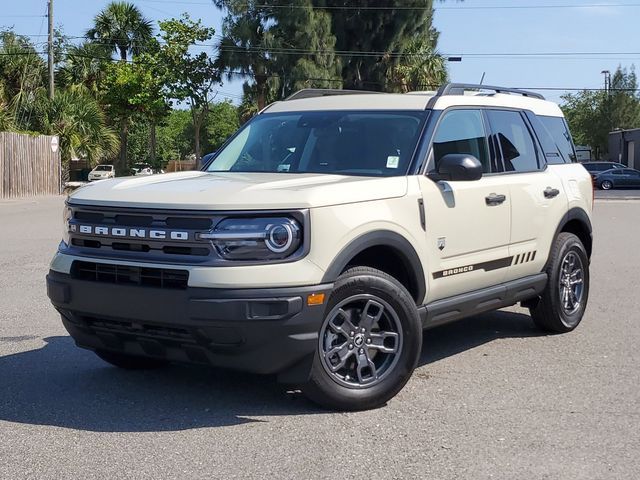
(606, 185)
(369, 342)
(564, 299)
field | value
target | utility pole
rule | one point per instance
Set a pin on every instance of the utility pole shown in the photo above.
(607, 80)
(50, 48)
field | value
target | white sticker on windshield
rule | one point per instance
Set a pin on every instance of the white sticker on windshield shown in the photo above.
(393, 161)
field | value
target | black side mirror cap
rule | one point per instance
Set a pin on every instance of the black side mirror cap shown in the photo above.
(458, 167)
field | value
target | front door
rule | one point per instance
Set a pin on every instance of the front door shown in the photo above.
(467, 223)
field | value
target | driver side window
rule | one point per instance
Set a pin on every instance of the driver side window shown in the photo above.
(461, 131)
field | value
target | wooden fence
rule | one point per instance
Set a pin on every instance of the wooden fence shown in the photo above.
(29, 165)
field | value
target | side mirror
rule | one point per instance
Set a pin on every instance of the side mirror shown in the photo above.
(458, 167)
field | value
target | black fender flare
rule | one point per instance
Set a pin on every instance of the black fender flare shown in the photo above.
(381, 238)
(581, 216)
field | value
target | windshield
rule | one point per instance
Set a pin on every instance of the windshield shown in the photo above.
(346, 143)
(103, 168)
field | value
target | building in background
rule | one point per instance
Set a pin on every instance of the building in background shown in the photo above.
(584, 153)
(624, 147)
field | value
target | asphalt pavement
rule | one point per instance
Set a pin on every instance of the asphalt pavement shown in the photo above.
(492, 397)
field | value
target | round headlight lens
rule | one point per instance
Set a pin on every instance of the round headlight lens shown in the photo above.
(279, 237)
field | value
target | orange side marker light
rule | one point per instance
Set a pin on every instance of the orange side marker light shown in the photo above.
(315, 299)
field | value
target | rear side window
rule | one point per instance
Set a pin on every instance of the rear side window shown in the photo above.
(461, 131)
(559, 131)
(511, 141)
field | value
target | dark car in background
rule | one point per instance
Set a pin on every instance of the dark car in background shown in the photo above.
(596, 168)
(618, 178)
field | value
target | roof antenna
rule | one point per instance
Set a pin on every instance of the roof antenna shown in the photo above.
(482, 79)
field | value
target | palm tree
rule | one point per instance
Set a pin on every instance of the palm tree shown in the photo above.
(7, 120)
(76, 118)
(122, 27)
(421, 68)
(84, 67)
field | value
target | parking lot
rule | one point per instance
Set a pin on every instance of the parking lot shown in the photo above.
(492, 397)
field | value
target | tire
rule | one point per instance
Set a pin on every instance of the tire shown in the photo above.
(378, 352)
(130, 362)
(606, 185)
(557, 311)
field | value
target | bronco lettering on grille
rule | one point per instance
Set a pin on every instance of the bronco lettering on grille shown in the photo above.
(124, 232)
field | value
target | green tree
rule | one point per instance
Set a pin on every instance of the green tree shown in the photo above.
(23, 73)
(190, 77)
(223, 121)
(384, 37)
(122, 27)
(420, 69)
(84, 67)
(78, 121)
(593, 114)
(278, 50)
(131, 89)
(175, 139)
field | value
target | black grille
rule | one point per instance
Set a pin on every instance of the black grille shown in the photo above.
(158, 220)
(139, 329)
(128, 275)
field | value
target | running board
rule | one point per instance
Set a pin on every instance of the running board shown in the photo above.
(479, 301)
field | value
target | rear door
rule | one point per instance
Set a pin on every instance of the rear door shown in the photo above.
(467, 223)
(538, 198)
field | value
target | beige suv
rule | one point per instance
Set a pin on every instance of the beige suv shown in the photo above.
(327, 233)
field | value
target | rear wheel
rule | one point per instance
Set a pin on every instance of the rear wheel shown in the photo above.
(606, 185)
(130, 362)
(564, 299)
(369, 342)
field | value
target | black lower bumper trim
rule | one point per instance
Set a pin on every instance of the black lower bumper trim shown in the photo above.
(256, 330)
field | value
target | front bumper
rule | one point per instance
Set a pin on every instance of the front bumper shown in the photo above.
(256, 330)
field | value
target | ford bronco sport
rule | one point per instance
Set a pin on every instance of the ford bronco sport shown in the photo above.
(327, 233)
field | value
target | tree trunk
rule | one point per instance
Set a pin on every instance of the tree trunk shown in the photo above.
(123, 54)
(124, 131)
(261, 88)
(153, 142)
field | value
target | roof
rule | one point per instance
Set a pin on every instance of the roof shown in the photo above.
(415, 101)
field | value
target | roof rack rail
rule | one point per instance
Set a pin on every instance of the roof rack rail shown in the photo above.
(460, 88)
(323, 92)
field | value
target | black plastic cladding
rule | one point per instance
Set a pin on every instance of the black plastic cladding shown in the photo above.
(164, 251)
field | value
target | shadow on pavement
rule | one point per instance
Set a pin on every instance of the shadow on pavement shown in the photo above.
(453, 338)
(62, 385)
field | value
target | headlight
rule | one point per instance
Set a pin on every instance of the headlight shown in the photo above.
(269, 238)
(66, 216)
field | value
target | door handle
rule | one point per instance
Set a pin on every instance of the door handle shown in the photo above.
(495, 199)
(551, 192)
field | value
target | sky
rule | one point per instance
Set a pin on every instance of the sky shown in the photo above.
(523, 43)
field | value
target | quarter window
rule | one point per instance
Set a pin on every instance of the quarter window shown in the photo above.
(512, 142)
(558, 129)
(461, 131)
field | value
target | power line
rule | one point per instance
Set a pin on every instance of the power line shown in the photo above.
(410, 8)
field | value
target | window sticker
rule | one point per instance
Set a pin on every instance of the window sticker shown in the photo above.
(393, 161)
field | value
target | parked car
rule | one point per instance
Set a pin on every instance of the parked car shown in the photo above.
(328, 233)
(142, 169)
(596, 168)
(102, 172)
(618, 178)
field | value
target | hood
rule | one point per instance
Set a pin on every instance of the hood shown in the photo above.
(238, 191)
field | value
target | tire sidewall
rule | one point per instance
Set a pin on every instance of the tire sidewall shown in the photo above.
(570, 244)
(606, 185)
(400, 300)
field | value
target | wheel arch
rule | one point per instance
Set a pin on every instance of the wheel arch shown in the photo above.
(387, 251)
(577, 221)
